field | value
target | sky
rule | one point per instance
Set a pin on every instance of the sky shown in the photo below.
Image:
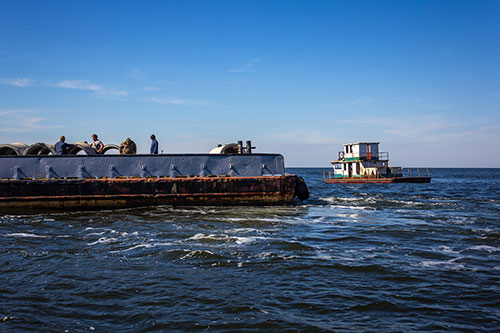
(300, 78)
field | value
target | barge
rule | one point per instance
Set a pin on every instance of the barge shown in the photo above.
(362, 163)
(116, 181)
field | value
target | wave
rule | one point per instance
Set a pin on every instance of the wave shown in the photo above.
(487, 248)
(143, 246)
(25, 234)
(104, 240)
(211, 238)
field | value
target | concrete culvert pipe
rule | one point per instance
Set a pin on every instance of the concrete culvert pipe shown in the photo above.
(12, 148)
(230, 148)
(109, 148)
(40, 148)
(82, 148)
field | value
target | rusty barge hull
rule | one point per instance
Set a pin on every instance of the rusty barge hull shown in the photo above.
(362, 180)
(118, 193)
(117, 181)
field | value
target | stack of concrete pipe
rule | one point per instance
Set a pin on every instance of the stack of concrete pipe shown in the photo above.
(40, 148)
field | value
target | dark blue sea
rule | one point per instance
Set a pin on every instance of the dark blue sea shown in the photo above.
(366, 258)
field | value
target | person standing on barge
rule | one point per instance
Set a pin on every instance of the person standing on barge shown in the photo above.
(61, 147)
(97, 144)
(154, 145)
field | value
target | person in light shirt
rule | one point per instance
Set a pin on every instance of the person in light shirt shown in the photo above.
(97, 144)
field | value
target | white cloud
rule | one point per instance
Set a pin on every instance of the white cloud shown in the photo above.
(17, 82)
(177, 101)
(17, 121)
(88, 86)
(113, 92)
(80, 85)
(248, 67)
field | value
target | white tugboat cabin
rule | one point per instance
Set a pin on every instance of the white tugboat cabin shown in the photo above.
(362, 162)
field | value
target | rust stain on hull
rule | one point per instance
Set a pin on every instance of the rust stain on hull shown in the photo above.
(114, 193)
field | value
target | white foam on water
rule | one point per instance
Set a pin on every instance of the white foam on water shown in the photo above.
(323, 256)
(489, 249)
(25, 234)
(445, 249)
(246, 230)
(349, 207)
(410, 203)
(126, 234)
(441, 264)
(96, 233)
(201, 236)
(145, 245)
(345, 199)
(104, 240)
(248, 240)
(227, 239)
(193, 253)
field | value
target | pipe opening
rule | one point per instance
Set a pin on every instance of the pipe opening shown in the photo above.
(40, 149)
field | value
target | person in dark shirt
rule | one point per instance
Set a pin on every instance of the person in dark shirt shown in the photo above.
(154, 145)
(61, 147)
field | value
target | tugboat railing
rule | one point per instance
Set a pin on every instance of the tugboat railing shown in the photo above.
(417, 170)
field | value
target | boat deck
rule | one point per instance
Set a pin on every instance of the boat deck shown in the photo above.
(382, 180)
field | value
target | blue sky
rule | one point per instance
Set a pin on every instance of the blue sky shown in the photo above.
(296, 77)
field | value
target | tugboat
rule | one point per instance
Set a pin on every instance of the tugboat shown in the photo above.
(363, 163)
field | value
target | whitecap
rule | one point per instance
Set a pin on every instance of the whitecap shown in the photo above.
(450, 264)
(24, 234)
(103, 240)
(145, 245)
(193, 253)
(487, 248)
(246, 230)
(246, 240)
(445, 249)
(227, 239)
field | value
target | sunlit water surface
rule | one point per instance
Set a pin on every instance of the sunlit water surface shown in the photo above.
(391, 257)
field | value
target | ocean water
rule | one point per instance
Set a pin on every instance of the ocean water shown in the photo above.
(370, 257)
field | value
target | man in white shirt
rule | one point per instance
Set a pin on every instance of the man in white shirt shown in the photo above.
(97, 144)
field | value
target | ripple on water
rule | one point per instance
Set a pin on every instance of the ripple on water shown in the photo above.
(408, 257)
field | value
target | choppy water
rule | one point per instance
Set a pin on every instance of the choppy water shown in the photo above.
(373, 257)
